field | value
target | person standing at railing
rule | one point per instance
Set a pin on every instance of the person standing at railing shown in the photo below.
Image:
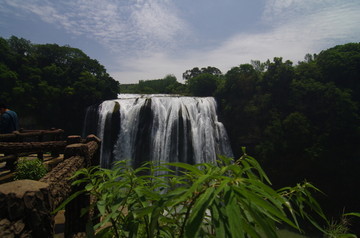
(9, 121)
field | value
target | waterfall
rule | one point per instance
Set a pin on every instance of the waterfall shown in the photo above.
(159, 128)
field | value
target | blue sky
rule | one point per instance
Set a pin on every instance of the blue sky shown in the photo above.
(148, 39)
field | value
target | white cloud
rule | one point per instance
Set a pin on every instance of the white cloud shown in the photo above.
(124, 27)
(279, 10)
(146, 36)
(158, 20)
(291, 36)
(295, 37)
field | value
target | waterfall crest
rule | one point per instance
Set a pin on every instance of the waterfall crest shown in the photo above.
(159, 128)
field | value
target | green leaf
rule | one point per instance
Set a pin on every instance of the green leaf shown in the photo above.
(105, 233)
(188, 167)
(101, 206)
(156, 212)
(138, 213)
(352, 214)
(189, 191)
(233, 215)
(198, 211)
(346, 236)
(216, 219)
(69, 199)
(89, 187)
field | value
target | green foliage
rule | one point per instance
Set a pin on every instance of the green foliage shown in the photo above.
(203, 85)
(191, 73)
(341, 65)
(42, 77)
(230, 199)
(167, 85)
(340, 229)
(33, 169)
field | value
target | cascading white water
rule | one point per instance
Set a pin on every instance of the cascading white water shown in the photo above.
(160, 128)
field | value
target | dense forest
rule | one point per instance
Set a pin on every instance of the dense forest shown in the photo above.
(301, 121)
(51, 85)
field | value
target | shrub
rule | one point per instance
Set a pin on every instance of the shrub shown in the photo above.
(230, 199)
(30, 169)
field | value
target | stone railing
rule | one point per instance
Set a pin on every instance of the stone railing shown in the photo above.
(26, 206)
(33, 135)
(24, 142)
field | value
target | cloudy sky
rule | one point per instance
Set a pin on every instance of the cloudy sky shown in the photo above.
(148, 39)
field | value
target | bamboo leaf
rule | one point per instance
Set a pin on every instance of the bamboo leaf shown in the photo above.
(69, 199)
(357, 214)
(138, 213)
(346, 236)
(198, 212)
(101, 206)
(266, 225)
(155, 219)
(105, 233)
(217, 220)
(188, 167)
(234, 215)
(189, 191)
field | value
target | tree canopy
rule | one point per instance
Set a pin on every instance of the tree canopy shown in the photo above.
(167, 85)
(51, 85)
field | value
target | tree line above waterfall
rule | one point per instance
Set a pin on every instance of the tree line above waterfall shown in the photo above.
(301, 121)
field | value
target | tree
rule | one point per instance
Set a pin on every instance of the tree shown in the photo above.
(237, 101)
(277, 80)
(166, 85)
(7, 82)
(20, 46)
(258, 65)
(331, 111)
(203, 85)
(6, 54)
(341, 65)
(36, 77)
(188, 74)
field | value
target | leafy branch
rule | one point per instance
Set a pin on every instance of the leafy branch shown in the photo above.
(228, 199)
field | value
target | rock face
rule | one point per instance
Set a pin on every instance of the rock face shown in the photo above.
(24, 207)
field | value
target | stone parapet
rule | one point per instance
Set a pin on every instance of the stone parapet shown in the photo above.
(26, 206)
(24, 209)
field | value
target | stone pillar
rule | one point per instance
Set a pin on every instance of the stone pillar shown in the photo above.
(25, 209)
(95, 159)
